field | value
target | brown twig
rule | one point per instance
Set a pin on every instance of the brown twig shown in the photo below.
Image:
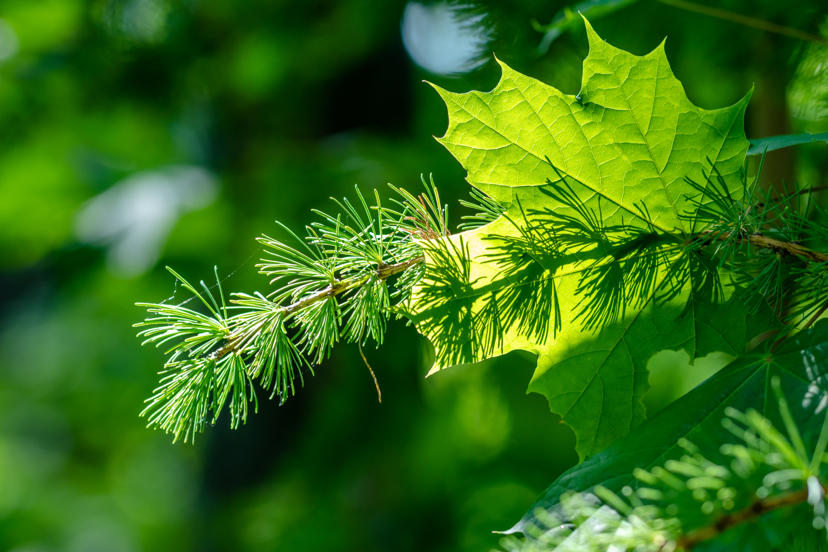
(790, 248)
(764, 242)
(755, 510)
(745, 20)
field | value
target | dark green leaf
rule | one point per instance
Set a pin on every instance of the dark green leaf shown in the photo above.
(745, 383)
(761, 145)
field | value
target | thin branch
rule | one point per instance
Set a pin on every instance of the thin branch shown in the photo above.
(765, 242)
(745, 20)
(752, 512)
(790, 248)
(382, 272)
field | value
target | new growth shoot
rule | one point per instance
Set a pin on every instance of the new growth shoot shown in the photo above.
(342, 280)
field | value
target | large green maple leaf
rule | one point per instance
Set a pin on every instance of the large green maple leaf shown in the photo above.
(588, 267)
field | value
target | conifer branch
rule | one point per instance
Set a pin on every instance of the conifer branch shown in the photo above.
(760, 236)
(764, 242)
(332, 284)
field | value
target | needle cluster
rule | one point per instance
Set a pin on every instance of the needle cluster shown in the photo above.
(769, 240)
(341, 281)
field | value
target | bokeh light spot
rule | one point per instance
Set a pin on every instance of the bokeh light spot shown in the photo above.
(442, 39)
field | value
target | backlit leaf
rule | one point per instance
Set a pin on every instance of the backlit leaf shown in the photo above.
(588, 266)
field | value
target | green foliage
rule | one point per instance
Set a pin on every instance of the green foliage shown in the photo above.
(609, 225)
(689, 501)
(331, 285)
(287, 103)
(760, 466)
(195, 381)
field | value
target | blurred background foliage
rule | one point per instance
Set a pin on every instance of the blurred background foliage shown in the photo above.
(143, 133)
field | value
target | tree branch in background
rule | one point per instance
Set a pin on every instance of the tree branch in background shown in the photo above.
(745, 20)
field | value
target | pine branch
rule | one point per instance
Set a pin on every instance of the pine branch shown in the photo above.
(382, 273)
(760, 236)
(332, 284)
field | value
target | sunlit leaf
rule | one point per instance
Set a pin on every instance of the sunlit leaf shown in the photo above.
(588, 267)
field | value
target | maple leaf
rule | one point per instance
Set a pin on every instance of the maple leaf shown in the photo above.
(588, 267)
